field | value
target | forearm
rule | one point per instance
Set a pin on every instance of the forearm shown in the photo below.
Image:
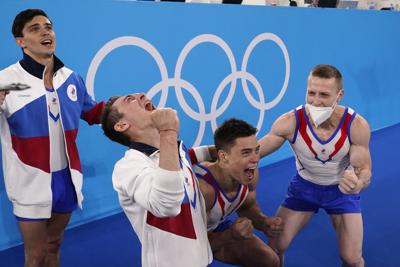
(364, 176)
(169, 157)
(269, 144)
(254, 213)
(167, 190)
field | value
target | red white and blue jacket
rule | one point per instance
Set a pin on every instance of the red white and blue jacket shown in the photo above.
(24, 130)
(322, 161)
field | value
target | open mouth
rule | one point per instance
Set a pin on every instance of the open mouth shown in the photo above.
(149, 106)
(249, 172)
(47, 42)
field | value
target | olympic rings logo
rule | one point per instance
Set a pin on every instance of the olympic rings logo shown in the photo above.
(178, 83)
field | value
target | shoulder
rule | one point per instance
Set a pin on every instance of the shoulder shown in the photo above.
(208, 193)
(288, 117)
(132, 161)
(360, 131)
(13, 70)
(285, 124)
(206, 188)
(360, 123)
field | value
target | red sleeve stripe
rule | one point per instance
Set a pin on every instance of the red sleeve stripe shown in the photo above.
(93, 115)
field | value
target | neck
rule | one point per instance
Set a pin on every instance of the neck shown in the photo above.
(224, 178)
(48, 61)
(149, 136)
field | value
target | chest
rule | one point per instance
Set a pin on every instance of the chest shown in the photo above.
(227, 203)
(323, 147)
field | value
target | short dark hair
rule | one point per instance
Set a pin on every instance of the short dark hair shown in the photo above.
(230, 130)
(109, 117)
(327, 72)
(23, 18)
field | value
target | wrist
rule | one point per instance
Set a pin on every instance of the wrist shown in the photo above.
(168, 133)
(168, 130)
(365, 178)
(365, 183)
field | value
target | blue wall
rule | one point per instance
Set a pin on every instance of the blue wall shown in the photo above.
(197, 59)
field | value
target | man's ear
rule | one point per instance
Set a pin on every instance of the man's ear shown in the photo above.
(20, 42)
(121, 126)
(222, 155)
(341, 93)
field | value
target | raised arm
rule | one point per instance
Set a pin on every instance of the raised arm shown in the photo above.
(360, 158)
(282, 129)
(167, 123)
(159, 189)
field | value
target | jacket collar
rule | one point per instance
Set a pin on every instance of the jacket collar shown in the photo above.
(144, 148)
(35, 68)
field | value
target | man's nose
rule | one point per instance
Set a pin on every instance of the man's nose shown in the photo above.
(255, 158)
(141, 96)
(45, 31)
(316, 101)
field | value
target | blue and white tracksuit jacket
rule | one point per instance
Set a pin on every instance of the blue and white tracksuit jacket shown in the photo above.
(24, 131)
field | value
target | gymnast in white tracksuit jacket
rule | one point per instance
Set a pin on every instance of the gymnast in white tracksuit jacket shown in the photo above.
(156, 185)
(38, 127)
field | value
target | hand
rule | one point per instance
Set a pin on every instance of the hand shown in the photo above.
(274, 226)
(241, 229)
(349, 183)
(165, 119)
(3, 96)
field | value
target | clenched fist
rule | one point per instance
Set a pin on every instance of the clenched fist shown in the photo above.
(273, 226)
(242, 229)
(349, 183)
(165, 119)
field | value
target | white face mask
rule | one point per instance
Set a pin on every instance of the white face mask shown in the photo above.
(320, 114)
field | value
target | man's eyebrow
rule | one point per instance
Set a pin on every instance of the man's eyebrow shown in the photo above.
(246, 149)
(37, 24)
(33, 25)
